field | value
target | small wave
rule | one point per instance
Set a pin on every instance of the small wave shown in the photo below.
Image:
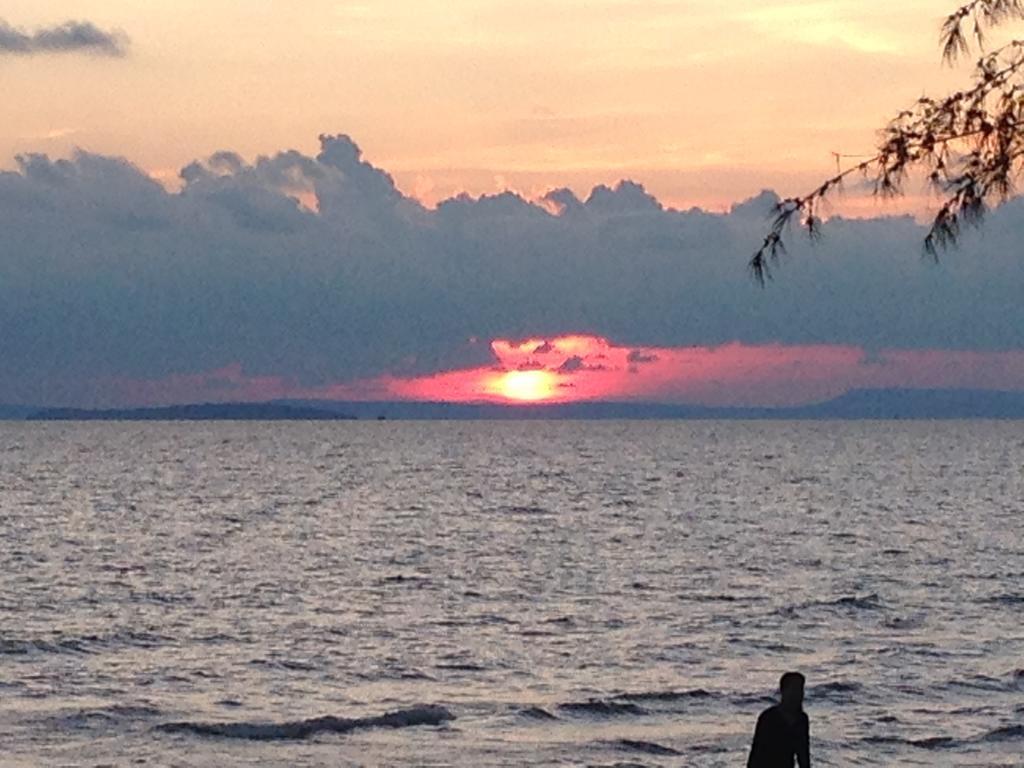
(904, 622)
(404, 674)
(10, 647)
(83, 644)
(537, 713)
(302, 729)
(665, 696)
(646, 747)
(837, 690)
(863, 603)
(803, 479)
(133, 710)
(708, 748)
(1006, 733)
(163, 598)
(1007, 599)
(291, 665)
(217, 638)
(764, 645)
(122, 568)
(401, 578)
(979, 683)
(870, 602)
(526, 510)
(101, 717)
(932, 742)
(935, 742)
(722, 598)
(461, 667)
(876, 739)
(750, 699)
(837, 686)
(602, 708)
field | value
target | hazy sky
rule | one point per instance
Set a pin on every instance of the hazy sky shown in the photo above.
(704, 101)
(264, 202)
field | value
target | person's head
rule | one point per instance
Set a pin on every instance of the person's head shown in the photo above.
(791, 686)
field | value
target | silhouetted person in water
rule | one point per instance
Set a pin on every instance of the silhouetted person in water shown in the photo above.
(783, 731)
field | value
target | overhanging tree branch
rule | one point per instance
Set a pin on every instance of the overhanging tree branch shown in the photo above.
(969, 144)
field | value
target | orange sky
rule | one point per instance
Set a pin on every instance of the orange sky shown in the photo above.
(705, 102)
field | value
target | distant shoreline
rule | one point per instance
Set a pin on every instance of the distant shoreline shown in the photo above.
(857, 405)
(193, 412)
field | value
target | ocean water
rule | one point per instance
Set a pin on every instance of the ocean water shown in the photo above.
(508, 594)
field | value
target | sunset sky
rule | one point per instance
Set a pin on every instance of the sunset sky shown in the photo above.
(705, 102)
(186, 217)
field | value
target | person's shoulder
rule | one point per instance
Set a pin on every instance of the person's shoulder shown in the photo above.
(804, 721)
(770, 713)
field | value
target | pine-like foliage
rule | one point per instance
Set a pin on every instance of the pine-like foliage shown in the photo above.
(969, 144)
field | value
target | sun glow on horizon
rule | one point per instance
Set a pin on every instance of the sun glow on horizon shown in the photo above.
(578, 368)
(526, 386)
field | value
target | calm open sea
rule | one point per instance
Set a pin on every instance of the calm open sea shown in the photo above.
(511, 593)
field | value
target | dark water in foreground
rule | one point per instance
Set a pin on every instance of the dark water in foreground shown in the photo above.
(513, 593)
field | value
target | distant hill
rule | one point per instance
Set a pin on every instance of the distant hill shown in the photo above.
(882, 404)
(400, 410)
(857, 404)
(919, 404)
(15, 412)
(198, 412)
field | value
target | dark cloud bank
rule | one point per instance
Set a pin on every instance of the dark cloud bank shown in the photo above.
(105, 274)
(69, 37)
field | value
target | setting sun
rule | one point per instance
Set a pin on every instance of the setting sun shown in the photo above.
(527, 386)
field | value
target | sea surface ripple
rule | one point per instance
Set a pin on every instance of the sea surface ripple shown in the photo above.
(502, 594)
